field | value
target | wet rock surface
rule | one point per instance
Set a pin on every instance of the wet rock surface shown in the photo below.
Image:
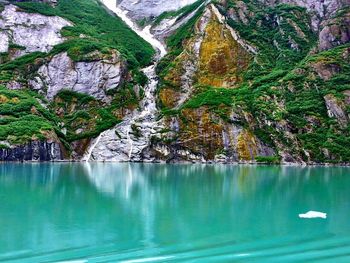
(33, 151)
(129, 140)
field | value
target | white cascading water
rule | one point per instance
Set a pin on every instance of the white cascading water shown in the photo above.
(87, 157)
(145, 33)
(120, 143)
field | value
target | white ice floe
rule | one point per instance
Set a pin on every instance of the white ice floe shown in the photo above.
(74, 261)
(313, 214)
(153, 259)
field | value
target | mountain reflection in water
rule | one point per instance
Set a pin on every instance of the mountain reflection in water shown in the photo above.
(106, 212)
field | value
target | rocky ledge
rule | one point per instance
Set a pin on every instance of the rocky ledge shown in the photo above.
(34, 151)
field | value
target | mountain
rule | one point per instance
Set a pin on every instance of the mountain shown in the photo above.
(242, 81)
(147, 9)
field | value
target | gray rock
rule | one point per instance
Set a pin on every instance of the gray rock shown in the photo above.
(169, 25)
(129, 140)
(94, 78)
(321, 9)
(335, 32)
(326, 71)
(139, 9)
(35, 32)
(4, 42)
(33, 151)
(336, 109)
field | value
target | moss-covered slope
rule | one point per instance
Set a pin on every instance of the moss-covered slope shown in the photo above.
(251, 79)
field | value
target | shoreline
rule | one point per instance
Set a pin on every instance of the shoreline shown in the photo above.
(186, 163)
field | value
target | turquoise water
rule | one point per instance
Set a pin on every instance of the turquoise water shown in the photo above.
(172, 213)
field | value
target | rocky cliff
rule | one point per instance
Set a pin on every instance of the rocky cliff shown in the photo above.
(250, 81)
(40, 151)
(243, 81)
(66, 80)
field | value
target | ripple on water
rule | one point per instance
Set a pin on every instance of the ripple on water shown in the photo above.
(284, 249)
(193, 214)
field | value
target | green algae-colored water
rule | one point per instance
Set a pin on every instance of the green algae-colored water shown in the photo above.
(172, 213)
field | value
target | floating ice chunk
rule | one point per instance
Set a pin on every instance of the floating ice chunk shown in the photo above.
(74, 261)
(313, 214)
(147, 259)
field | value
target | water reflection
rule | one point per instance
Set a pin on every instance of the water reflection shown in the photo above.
(91, 209)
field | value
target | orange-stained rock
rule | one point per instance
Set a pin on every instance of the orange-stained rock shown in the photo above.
(246, 146)
(222, 59)
(168, 97)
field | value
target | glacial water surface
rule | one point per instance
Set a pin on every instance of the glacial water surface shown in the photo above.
(104, 212)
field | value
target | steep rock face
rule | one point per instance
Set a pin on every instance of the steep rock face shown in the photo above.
(217, 56)
(129, 140)
(96, 78)
(181, 75)
(169, 24)
(335, 32)
(242, 81)
(322, 9)
(201, 136)
(32, 32)
(34, 151)
(4, 43)
(276, 106)
(151, 8)
(336, 108)
(222, 59)
(83, 84)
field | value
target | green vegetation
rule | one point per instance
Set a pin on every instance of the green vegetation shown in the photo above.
(303, 109)
(282, 34)
(100, 30)
(15, 46)
(268, 159)
(175, 43)
(23, 118)
(281, 98)
(23, 66)
(181, 13)
(94, 33)
(20, 63)
(282, 92)
(209, 96)
(85, 117)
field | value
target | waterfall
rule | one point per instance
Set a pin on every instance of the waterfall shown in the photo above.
(87, 157)
(128, 146)
(145, 33)
(130, 142)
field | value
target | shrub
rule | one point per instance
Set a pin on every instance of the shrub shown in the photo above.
(268, 159)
